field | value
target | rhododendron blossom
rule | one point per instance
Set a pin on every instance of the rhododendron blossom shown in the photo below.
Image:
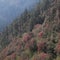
(30, 44)
(40, 34)
(57, 49)
(40, 45)
(26, 37)
(44, 56)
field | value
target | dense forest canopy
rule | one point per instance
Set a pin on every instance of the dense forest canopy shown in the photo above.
(34, 35)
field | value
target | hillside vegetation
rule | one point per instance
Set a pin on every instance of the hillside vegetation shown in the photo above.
(35, 35)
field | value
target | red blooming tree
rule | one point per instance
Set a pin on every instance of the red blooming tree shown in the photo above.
(40, 46)
(40, 34)
(27, 36)
(57, 49)
(44, 56)
(31, 45)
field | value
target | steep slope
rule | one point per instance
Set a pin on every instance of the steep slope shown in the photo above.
(22, 24)
(42, 42)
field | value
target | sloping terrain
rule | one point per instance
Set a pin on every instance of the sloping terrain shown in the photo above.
(36, 40)
(23, 23)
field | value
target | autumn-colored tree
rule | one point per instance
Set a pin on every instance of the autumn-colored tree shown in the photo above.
(44, 56)
(40, 34)
(40, 46)
(57, 48)
(31, 45)
(26, 37)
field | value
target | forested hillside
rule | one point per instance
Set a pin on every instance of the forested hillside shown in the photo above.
(35, 35)
(23, 23)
